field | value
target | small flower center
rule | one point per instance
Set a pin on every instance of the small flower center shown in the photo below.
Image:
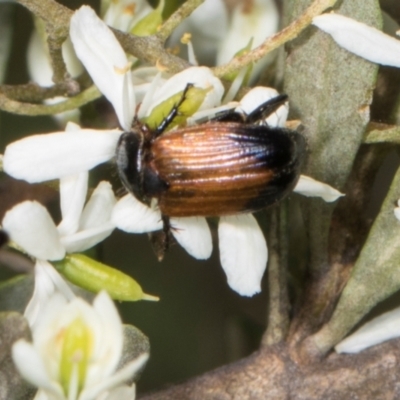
(76, 351)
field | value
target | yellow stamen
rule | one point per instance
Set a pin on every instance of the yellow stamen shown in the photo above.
(77, 344)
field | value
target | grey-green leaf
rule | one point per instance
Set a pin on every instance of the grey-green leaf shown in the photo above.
(13, 326)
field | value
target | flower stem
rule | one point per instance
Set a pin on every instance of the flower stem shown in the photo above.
(18, 107)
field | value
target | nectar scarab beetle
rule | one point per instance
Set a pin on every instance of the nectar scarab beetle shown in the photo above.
(229, 165)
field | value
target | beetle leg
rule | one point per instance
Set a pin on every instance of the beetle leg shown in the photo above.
(172, 114)
(161, 240)
(266, 109)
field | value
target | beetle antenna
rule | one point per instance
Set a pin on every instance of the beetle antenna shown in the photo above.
(173, 113)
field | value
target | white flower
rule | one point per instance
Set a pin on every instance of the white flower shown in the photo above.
(31, 227)
(256, 20)
(75, 350)
(379, 330)
(360, 39)
(207, 25)
(105, 60)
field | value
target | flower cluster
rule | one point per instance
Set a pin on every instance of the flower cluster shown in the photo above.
(76, 347)
(243, 249)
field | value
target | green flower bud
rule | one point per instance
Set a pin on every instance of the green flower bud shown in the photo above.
(231, 76)
(95, 276)
(150, 23)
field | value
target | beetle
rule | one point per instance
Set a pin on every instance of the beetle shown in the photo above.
(229, 165)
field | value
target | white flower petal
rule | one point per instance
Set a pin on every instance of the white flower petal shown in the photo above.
(59, 154)
(124, 392)
(44, 287)
(243, 253)
(194, 235)
(49, 312)
(259, 95)
(47, 282)
(208, 25)
(360, 39)
(121, 376)
(397, 211)
(39, 66)
(311, 188)
(380, 329)
(86, 239)
(103, 57)
(112, 334)
(130, 215)
(72, 126)
(74, 66)
(200, 77)
(99, 207)
(31, 367)
(30, 226)
(60, 284)
(155, 84)
(73, 191)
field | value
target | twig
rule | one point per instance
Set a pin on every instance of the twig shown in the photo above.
(176, 18)
(381, 133)
(17, 107)
(278, 317)
(374, 277)
(33, 93)
(60, 73)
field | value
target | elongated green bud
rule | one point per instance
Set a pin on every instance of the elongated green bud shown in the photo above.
(95, 276)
